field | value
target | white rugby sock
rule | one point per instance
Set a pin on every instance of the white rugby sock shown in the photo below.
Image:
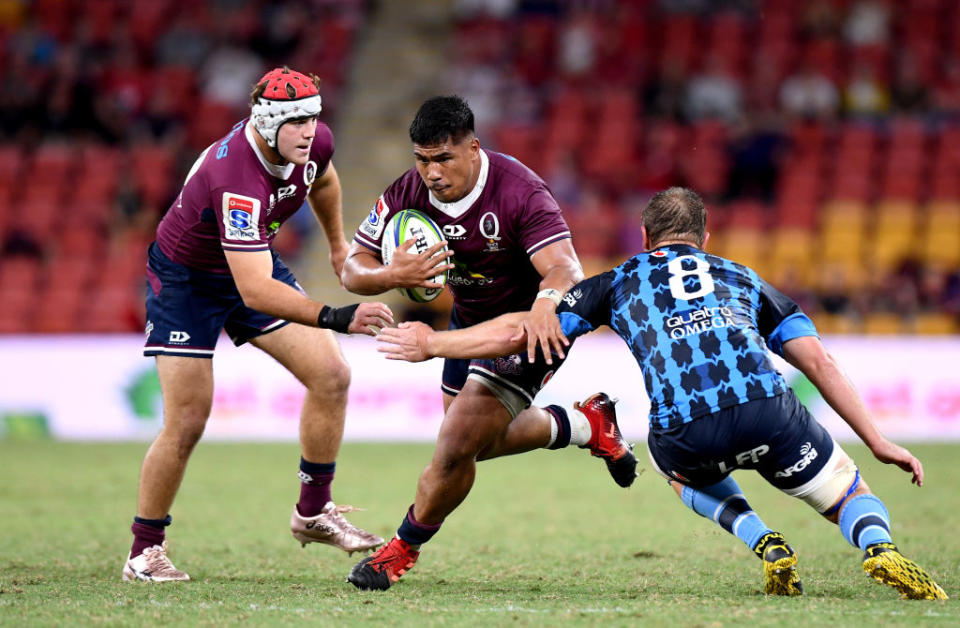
(553, 430)
(580, 431)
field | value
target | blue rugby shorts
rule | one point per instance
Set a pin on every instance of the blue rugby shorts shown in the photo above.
(776, 436)
(187, 308)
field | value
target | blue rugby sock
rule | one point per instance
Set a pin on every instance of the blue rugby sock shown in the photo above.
(724, 503)
(864, 521)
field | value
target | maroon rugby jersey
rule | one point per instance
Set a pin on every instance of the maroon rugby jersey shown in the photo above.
(233, 199)
(508, 216)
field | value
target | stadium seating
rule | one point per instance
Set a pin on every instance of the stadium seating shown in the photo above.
(855, 196)
(90, 184)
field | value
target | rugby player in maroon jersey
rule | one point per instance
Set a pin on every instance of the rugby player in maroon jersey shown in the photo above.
(510, 250)
(211, 269)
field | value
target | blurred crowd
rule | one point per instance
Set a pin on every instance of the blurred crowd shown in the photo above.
(105, 105)
(824, 134)
(779, 112)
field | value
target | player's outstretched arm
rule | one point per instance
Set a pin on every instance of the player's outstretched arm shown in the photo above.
(416, 342)
(365, 273)
(560, 269)
(253, 274)
(809, 355)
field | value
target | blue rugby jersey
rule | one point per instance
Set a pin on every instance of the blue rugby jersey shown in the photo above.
(698, 325)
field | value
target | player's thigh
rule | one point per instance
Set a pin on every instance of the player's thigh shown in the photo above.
(475, 418)
(447, 400)
(806, 462)
(186, 384)
(185, 309)
(312, 354)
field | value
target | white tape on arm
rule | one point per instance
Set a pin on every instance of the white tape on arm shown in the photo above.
(552, 294)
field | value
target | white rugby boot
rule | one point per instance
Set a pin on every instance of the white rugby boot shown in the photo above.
(332, 528)
(153, 565)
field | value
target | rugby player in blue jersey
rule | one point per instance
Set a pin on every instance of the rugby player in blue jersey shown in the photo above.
(699, 326)
(212, 269)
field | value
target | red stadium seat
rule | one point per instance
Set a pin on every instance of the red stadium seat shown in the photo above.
(59, 311)
(749, 215)
(19, 308)
(519, 141)
(54, 160)
(179, 84)
(82, 242)
(153, 173)
(798, 213)
(209, 121)
(40, 219)
(112, 310)
(11, 163)
(63, 273)
(19, 273)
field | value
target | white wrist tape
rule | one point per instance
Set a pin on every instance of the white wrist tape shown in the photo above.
(550, 293)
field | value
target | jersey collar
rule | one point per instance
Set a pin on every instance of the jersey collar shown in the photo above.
(458, 208)
(279, 171)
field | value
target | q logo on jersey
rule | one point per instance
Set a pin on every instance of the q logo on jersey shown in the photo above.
(310, 173)
(490, 229)
(241, 215)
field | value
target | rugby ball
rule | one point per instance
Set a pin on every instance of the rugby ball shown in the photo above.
(407, 225)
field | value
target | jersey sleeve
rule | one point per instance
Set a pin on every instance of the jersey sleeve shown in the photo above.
(241, 221)
(781, 319)
(543, 224)
(322, 148)
(586, 306)
(370, 232)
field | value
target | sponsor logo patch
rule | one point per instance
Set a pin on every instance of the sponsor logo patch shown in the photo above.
(241, 215)
(179, 337)
(699, 321)
(373, 225)
(454, 232)
(808, 454)
(572, 297)
(746, 457)
(286, 191)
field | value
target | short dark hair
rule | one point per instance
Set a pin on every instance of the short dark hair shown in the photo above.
(675, 214)
(439, 118)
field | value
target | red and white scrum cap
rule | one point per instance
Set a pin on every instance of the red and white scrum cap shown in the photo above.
(288, 95)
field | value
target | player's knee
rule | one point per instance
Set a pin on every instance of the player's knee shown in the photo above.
(184, 433)
(457, 447)
(452, 458)
(833, 513)
(331, 381)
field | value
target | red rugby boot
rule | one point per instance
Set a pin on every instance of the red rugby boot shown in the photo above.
(605, 439)
(384, 567)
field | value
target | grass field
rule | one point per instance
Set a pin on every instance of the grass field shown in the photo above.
(545, 538)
